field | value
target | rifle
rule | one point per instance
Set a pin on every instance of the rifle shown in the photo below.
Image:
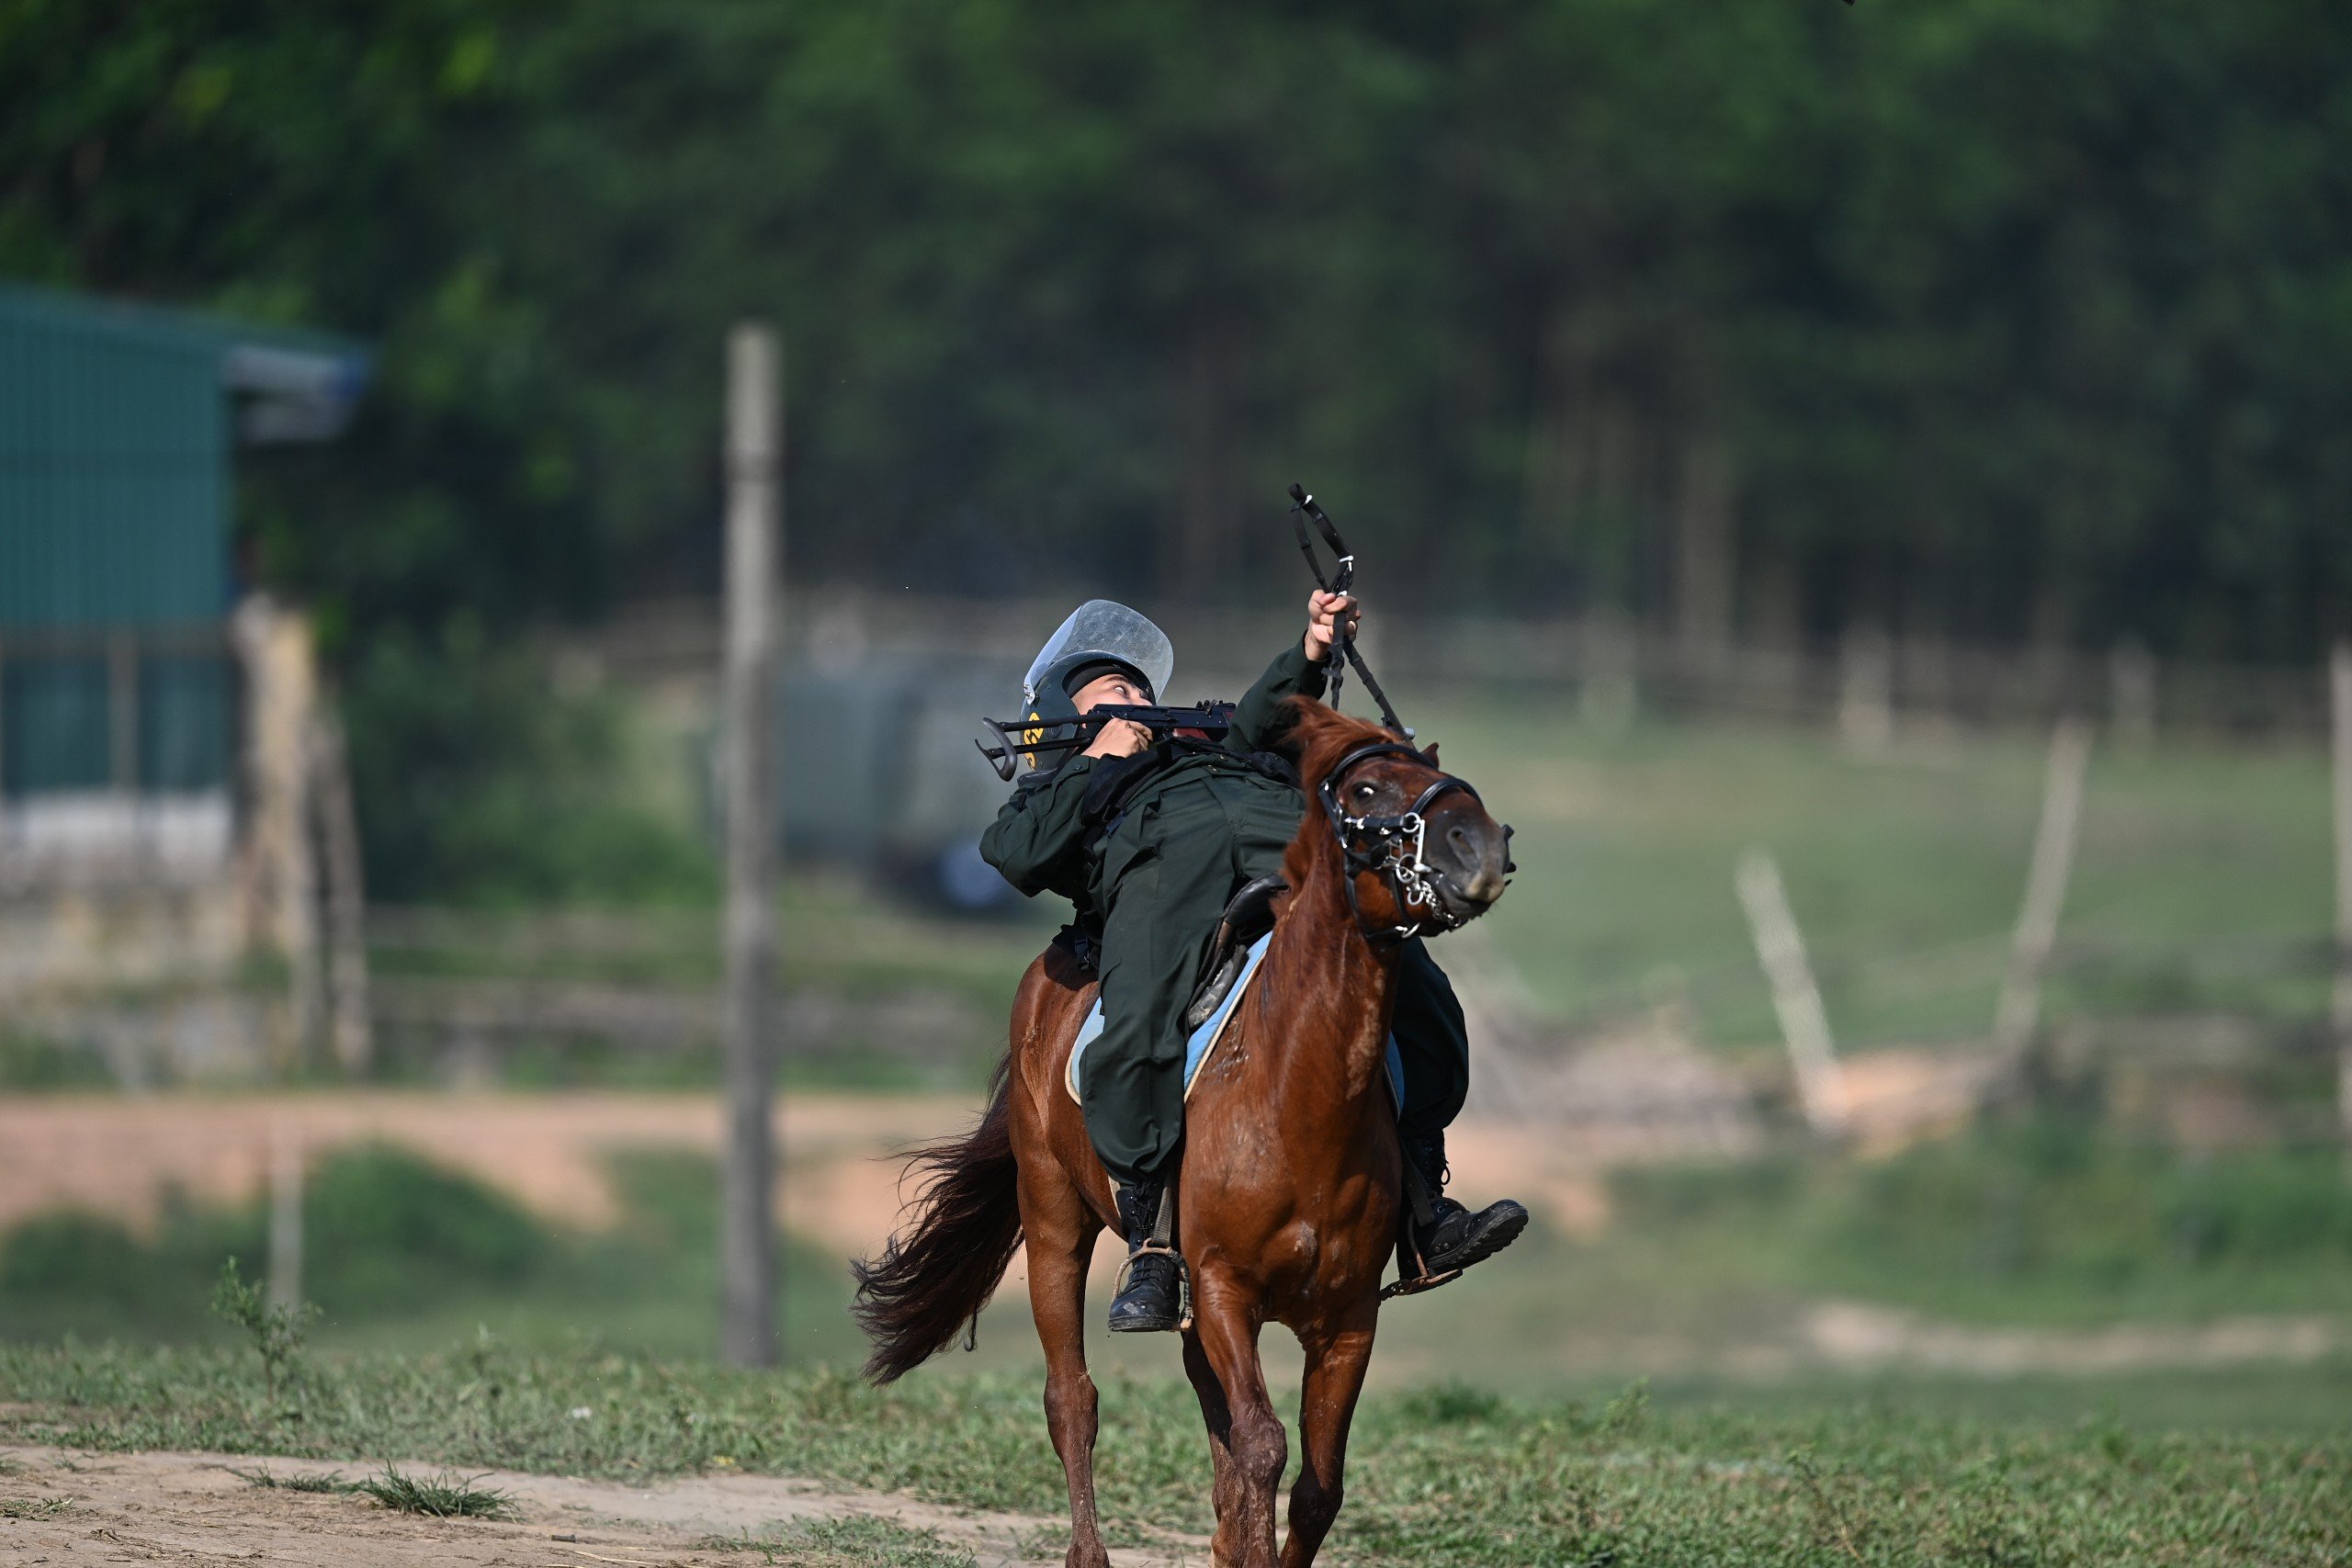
(1207, 721)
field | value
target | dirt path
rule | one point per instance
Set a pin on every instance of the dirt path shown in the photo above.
(122, 1155)
(183, 1507)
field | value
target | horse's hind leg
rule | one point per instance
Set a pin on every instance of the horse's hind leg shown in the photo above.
(1336, 1360)
(1060, 1230)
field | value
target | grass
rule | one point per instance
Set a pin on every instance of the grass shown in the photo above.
(405, 1256)
(2047, 1226)
(2202, 887)
(1439, 1476)
(914, 1000)
(442, 1496)
(322, 1483)
(33, 1508)
(2045, 1223)
(2196, 860)
(867, 1542)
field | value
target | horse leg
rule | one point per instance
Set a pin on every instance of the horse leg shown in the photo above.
(1336, 1360)
(1256, 1446)
(1060, 1230)
(1218, 1419)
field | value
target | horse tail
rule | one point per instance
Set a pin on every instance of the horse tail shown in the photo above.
(927, 1285)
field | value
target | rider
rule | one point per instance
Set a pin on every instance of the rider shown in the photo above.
(1150, 840)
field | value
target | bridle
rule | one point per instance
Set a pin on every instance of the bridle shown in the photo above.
(1391, 846)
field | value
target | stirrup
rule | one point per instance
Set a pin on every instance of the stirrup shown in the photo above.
(1420, 1211)
(1184, 1279)
(1422, 1279)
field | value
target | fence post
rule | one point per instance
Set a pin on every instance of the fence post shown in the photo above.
(2054, 841)
(2132, 688)
(349, 1025)
(1866, 690)
(755, 441)
(1609, 694)
(1796, 998)
(2339, 678)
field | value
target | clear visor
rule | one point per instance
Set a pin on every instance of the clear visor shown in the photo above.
(1102, 628)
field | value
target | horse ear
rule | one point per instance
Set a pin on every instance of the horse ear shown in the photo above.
(1430, 752)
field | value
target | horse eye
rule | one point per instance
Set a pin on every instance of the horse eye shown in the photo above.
(1364, 792)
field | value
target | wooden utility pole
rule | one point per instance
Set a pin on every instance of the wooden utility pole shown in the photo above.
(285, 1214)
(2019, 1009)
(2339, 680)
(1796, 998)
(747, 1220)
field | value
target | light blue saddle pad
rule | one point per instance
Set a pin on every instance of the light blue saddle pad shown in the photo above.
(1204, 1039)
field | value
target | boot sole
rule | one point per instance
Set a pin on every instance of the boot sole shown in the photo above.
(1485, 1242)
(1146, 1326)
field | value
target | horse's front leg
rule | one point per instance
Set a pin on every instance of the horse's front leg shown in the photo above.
(1255, 1448)
(1058, 1230)
(1336, 1356)
(1216, 1417)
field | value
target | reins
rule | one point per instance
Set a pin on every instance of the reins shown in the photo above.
(1395, 842)
(1304, 509)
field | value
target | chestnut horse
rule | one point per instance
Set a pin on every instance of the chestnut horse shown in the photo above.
(1292, 1180)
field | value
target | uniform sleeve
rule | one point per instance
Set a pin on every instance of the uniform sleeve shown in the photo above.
(1260, 719)
(1038, 839)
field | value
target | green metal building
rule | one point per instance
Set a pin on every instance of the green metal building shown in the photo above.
(119, 426)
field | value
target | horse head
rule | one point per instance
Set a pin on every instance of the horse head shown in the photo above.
(1414, 848)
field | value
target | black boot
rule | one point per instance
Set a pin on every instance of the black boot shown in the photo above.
(1152, 1301)
(1454, 1238)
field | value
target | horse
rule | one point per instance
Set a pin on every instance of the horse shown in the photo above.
(1292, 1179)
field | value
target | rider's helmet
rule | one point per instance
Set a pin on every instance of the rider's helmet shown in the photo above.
(1100, 635)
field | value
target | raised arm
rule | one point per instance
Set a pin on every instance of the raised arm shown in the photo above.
(1259, 720)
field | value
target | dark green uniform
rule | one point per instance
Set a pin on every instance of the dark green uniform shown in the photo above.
(1155, 845)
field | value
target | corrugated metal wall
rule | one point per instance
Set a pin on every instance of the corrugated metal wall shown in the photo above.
(114, 535)
(114, 470)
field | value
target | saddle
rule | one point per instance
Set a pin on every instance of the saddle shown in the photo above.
(1249, 915)
(1243, 935)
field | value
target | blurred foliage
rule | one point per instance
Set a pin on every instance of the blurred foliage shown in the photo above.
(402, 1253)
(2049, 1216)
(484, 780)
(387, 1231)
(30, 1064)
(1991, 318)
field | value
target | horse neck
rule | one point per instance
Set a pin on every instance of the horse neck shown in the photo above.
(1330, 995)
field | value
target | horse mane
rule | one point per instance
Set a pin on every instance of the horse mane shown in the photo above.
(1319, 736)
